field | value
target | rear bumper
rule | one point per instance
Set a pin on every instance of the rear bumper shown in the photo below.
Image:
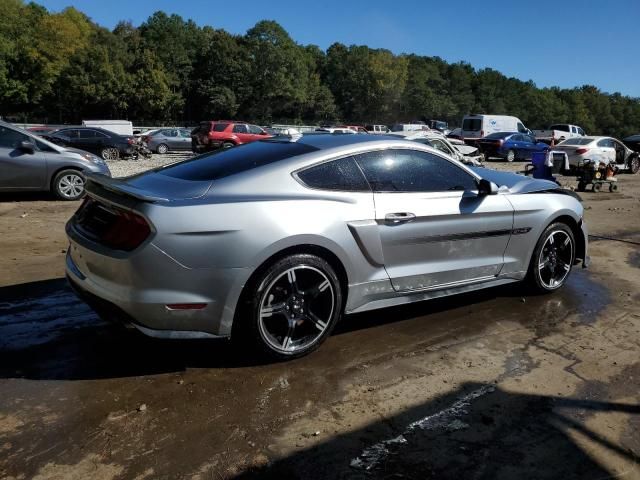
(136, 291)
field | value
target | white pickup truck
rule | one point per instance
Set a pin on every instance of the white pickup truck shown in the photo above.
(558, 132)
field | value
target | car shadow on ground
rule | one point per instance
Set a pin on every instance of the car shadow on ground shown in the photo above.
(47, 333)
(478, 431)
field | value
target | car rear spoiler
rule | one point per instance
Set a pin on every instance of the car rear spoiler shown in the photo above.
(96, 181)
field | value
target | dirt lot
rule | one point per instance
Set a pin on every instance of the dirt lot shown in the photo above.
(486, 385)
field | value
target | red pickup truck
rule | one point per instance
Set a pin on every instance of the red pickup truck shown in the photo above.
(224, 133)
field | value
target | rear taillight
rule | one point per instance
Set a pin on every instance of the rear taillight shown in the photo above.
(580, 151)
(131, 141)
(111, 226)
(127, 232)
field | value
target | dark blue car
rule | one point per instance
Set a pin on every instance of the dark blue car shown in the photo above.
(510, 146)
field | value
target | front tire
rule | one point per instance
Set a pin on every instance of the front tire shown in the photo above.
(634, 165)
(162, 149)
(228, 145)
(552, 259)
(68, 185)
(291, 308)
(511, 156)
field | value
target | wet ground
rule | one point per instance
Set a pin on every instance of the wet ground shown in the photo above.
(494, 384)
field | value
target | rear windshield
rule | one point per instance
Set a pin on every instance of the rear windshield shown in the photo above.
(223, 163)
(577, 141)
(499, 135)
(562, 128)
(472, 124)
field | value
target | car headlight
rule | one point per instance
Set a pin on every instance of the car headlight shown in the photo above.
(93, 159)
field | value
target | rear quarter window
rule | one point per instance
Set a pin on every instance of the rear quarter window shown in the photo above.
(219, 127)
(340, 175)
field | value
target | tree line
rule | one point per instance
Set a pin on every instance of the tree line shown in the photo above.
(62, 68)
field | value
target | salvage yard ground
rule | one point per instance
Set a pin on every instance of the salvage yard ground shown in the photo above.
(485, 385)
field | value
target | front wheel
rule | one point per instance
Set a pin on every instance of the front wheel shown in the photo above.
(291, 309)
(162, 149)
(228, 145)
(634, 165)
(511, 156)
(68, 185)
(552, 258)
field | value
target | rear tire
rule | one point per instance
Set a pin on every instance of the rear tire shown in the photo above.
(68, 185)
(634, 165)
(552, 259)
(511, 156)
(110, 153)
(289, 309)
(228, 145)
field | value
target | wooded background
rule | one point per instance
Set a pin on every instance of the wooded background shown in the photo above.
(62, 68)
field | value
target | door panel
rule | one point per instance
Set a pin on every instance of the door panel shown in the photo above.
(434, 228)
(21, 170)
(454, 237)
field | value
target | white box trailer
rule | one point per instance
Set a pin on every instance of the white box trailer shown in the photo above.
(478, 126)
(121, 127)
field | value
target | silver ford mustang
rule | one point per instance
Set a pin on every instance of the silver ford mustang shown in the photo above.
(271, 242)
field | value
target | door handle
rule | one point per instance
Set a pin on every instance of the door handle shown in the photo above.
(400, 217)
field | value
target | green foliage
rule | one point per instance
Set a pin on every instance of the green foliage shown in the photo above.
(62, 67)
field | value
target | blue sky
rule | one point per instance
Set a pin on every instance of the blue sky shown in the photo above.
(565, 43)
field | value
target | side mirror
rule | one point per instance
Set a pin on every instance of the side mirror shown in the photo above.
(485, 187)
(27, 147)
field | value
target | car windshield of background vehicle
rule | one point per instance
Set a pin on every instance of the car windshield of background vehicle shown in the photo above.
(223, 163)
(498, 135)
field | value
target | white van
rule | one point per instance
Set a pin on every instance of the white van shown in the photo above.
(121, 127)
(478, 126)
(409, 127)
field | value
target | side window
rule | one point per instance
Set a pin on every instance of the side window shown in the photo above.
(341, 175)
(100, 134)
(528, 139)
(70, 133)
(10, 138)
(185, 133)
(240, 128)
(87, 134)
(521, 128)
(254, 129)
(605, 142)
(515, 138)
(580, 131)
(220, 127)
(413, 171)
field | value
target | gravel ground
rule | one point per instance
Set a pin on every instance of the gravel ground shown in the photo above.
(124, 168)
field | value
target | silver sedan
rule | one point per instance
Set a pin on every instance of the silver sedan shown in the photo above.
(272, 242)
(169, 140)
